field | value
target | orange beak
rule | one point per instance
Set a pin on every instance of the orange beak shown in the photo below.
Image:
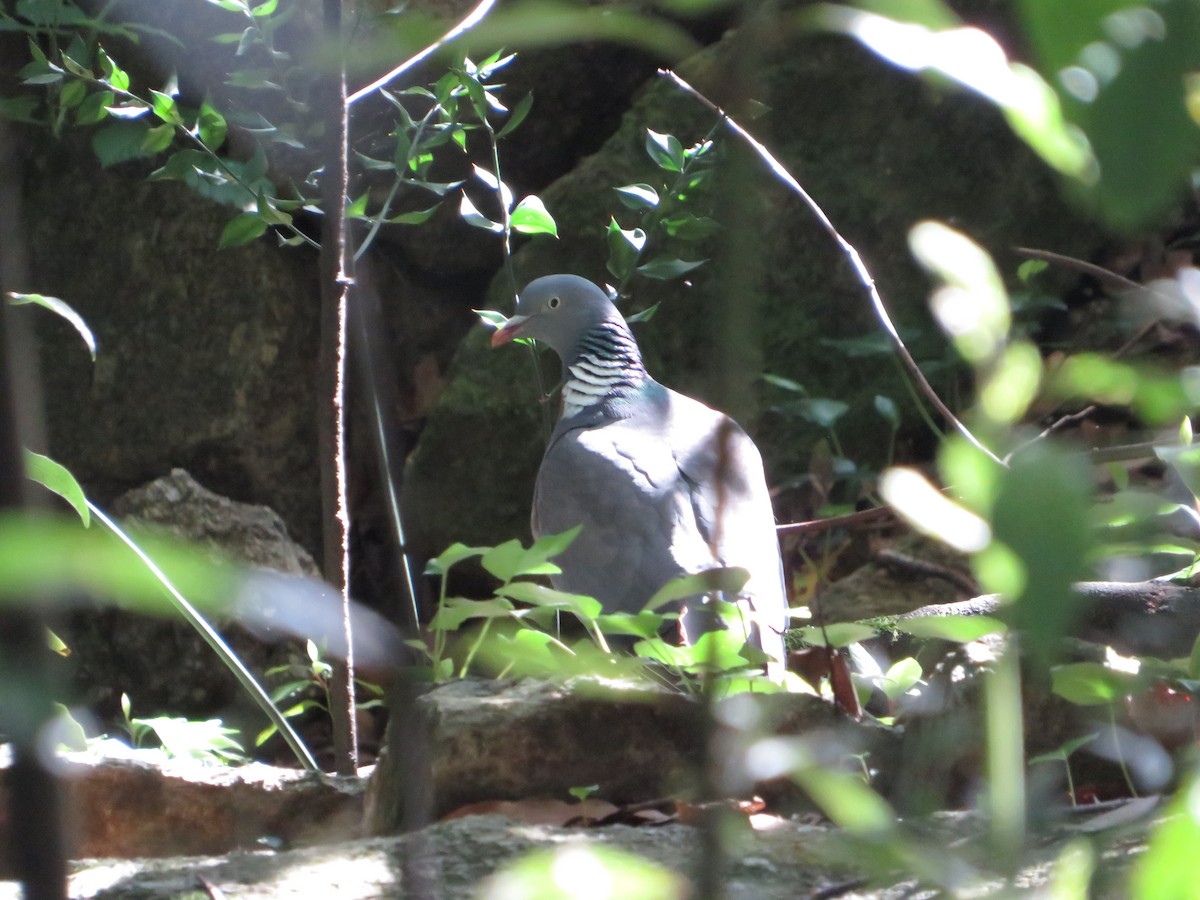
(508, 331)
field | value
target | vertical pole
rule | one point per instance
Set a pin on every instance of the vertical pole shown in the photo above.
(336, 282)
(34, 808)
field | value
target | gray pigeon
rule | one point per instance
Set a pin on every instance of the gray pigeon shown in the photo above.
(662, 484)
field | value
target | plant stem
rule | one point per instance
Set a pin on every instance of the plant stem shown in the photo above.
(214, 640)
(1112, 721)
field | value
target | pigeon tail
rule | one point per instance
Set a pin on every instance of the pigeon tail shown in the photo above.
(605, 368)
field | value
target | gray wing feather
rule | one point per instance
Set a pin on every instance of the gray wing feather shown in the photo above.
(669, 487)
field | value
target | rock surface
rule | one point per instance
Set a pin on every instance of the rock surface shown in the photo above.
(128, 804)
(502, 740)
(165, 666)
(457, 858)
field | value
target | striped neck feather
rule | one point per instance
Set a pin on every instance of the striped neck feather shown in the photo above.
(607, 366)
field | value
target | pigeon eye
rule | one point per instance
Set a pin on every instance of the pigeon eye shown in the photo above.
(553, 302)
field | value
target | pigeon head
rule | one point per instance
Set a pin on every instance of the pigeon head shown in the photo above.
(557, 310)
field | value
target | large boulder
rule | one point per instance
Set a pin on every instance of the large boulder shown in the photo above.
(879, 149)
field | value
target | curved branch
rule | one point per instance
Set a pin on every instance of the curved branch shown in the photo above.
(860, 268)
(473, 18)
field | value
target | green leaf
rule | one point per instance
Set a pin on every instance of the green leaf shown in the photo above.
(20, 108)
(58, 480)
(1167, 867)
(976, 61)
(960, 629)
(1041, 515)
(264, 9)
(623, 874)
(901, 677)
(43, 556)
(72, 94)
(624, 246)
(585, 608)
(242, 230)
(1185, 461)
(120, 141)
(475, 218)
(638, 196)
(452, 555)
(549, 545)
(531, 217)
(839, 634)
(94, 108)
(253, 80)
(665, 269)
(158, 139)
(211, 126)
(786, 383)
(491, 317)
(644, 316)
(721, 579)
(62, 309)
(821, 411)
(232, 5)
(357, 209)
(1064, 751)
(665, 150)
(416, 217)
(847, 800)
(164, 107)
(886, 407)
(691, 228)
(509, 560)
(457, 610)
(1090, 684)
(644, 624)
(517, 116)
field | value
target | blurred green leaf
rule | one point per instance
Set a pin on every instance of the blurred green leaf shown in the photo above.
(665, 269)
(886, 407)
(41, 557)
(211, 126)
(976, 61)
(539, 875)
(242, 230)
(839, 634)
(961, 629)
(1090, 684)
(1041, 514)
(1167, 868)
(971, 305)
(120, 141)
(901, 677)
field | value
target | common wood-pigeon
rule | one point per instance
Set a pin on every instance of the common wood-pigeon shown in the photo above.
(661, 484)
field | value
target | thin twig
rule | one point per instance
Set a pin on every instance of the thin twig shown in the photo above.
(1108, 279)
(337, 267)
(473, 18)
(851, 254)
(849, 520)
(1082, 414)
